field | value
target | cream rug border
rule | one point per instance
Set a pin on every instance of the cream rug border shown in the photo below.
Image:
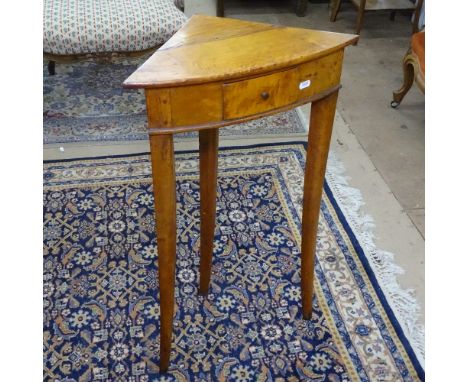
(402, 301)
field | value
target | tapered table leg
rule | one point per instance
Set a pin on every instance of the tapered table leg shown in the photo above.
(208, 173)
(163, 168)
(320, 129)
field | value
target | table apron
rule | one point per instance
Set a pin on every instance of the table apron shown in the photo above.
(219, 124)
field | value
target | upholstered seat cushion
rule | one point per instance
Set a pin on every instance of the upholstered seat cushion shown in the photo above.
(418, 46)
(101, 26)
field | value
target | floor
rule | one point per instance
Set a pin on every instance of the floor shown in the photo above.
(382, 148)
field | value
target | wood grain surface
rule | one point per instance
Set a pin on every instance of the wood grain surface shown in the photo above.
(210, 48)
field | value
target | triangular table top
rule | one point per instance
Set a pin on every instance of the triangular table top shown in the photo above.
(211, 48)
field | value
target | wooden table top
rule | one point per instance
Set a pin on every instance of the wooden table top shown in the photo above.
(208, 49)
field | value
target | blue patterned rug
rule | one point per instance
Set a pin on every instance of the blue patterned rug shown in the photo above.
(85, 102)
(101, 312)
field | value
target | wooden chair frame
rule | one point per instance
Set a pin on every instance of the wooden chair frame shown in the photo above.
(301, 8)
(335, 7)
(411, 73)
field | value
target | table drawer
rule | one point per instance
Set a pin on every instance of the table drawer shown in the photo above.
(260, 94)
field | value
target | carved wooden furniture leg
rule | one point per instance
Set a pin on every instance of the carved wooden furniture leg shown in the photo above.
(51, 67)
(335, 8)
(220, 8)
(320, 129)
(163, 168)
(408, 79)
(360, 16)
(301, 8)
(208, 174)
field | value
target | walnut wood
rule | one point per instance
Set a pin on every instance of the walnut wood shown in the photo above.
(162, 162)
(216, 72)
(320, 129)
(208, 174)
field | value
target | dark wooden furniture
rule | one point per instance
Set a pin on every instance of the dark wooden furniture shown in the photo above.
(363, 6)
(414, 68)
(301, 8)
(216, 72)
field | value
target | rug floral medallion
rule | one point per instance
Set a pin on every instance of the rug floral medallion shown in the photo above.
(101, 303)
(85, 102)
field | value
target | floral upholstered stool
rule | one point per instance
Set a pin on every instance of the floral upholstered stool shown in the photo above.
(77, 29)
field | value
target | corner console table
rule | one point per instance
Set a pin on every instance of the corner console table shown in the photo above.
(216, 72)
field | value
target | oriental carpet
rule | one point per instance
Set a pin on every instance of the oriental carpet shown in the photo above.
(101, 311)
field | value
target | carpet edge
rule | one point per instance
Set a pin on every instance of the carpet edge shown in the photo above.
(402, 302)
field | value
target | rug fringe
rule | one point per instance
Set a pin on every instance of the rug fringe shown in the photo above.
(402, 302)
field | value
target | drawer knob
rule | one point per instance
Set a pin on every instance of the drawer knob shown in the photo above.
(265, 95)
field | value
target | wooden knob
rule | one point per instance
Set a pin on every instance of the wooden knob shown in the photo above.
(265, 95)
